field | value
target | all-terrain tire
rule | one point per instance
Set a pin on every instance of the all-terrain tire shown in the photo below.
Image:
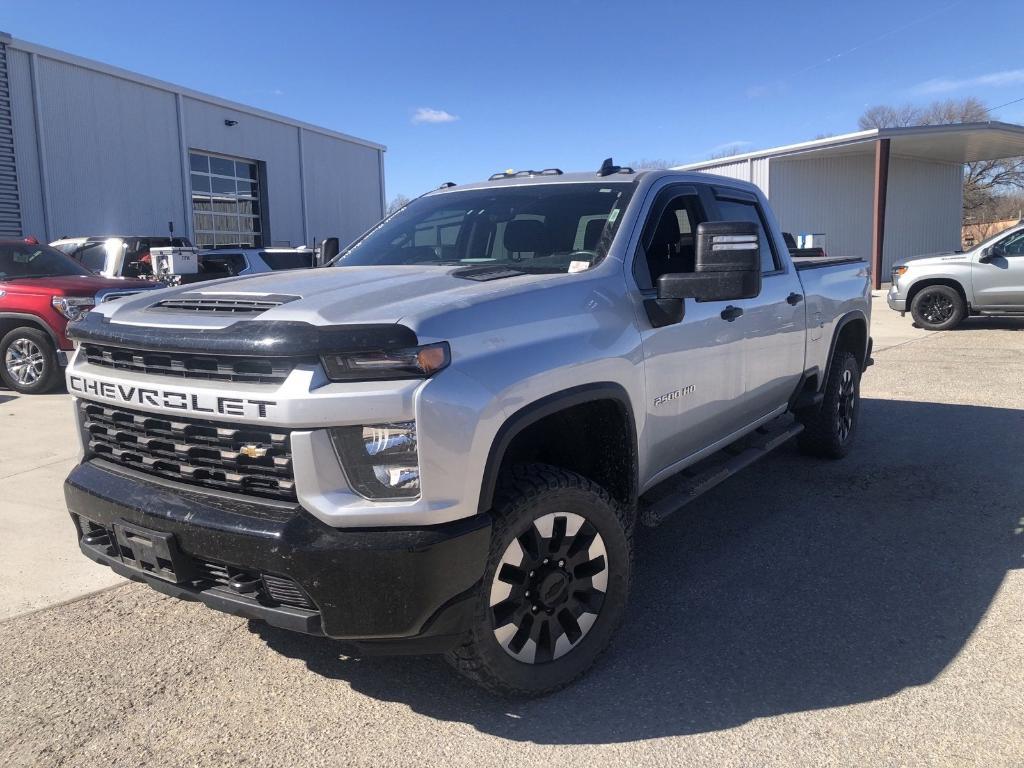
(938, 308)
(829, 430)
(28, 361)
(530, 494)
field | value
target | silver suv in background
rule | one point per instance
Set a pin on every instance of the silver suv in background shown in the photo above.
(940, 290)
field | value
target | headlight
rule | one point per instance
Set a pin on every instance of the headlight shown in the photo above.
(73, 307)
(411, 363)
(897, 273)
(380, 460)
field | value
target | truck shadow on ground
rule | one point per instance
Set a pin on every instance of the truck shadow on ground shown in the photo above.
(991, 324)
(797, 585)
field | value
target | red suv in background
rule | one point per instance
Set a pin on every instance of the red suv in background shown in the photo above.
(41, 290)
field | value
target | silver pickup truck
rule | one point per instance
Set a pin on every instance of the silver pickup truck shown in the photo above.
(940, 290)
(442, 441)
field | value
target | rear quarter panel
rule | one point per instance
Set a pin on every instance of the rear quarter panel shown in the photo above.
(832, 293)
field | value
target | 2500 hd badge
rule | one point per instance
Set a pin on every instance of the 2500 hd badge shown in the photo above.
(168, 398)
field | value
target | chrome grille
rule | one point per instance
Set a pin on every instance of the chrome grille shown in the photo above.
(202, 453)
(262, 370)
(223, 303)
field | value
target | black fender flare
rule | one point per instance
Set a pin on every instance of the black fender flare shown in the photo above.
(850, 317)
(546, 406)
(34, 320)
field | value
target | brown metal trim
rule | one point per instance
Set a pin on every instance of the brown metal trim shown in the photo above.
(878, 222)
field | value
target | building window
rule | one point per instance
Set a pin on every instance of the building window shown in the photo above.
(227, 204)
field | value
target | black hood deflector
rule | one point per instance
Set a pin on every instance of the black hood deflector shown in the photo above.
(259, 338)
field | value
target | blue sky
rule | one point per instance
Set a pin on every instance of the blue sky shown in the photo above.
(458, 90)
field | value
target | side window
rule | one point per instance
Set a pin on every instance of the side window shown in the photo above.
(1013, 245)
(93, 257)
(742, 210)
(669, 244)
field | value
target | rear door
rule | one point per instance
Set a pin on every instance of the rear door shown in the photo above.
(694, 368)
(773, 324)
(999, 282)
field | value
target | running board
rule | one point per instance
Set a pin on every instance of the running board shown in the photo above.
(675, 493)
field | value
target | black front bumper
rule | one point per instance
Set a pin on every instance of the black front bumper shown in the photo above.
(408, 589)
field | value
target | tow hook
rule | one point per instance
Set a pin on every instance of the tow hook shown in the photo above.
(244, 583)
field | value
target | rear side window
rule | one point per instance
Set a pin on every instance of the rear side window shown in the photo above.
(227, 264)
(288, 259)
(742, 210)
(93, 257)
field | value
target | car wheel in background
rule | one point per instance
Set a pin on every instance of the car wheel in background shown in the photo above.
(28, 361)
(938, 308)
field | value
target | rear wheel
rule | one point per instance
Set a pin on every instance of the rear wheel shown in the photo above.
(938, 308)
(829, 429)
(555, 587)
(28, 361)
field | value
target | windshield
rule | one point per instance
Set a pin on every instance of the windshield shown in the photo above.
(530, 228)
(20, 260)
(992, 238)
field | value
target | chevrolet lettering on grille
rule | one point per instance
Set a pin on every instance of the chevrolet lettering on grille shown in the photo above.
(171, 399)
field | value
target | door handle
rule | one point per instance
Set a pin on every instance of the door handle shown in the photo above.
(730, 313)
(795, 298)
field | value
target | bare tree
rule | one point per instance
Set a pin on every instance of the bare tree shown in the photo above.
(985, 181)
(730, 151)
(658, 164)
(398, 201)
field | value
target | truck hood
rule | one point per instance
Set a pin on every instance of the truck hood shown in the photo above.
(328, 296)
(73, 285)
(928, 259)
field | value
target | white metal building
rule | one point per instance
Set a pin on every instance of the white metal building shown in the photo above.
(90, 149)
(886, 193)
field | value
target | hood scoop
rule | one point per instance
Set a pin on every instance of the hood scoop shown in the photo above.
(223, 303)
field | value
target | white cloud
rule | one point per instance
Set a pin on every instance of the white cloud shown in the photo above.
(991, 80)
(428, 115)
(736, 146)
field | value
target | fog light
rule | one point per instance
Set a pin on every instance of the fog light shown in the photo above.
(380, 460)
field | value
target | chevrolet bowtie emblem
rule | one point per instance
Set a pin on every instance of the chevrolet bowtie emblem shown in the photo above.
(253, 451)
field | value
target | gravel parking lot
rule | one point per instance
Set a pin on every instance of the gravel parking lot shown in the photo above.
(862, 612)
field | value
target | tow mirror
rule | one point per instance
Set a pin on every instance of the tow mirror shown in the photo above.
(727, 265)
(328, 249)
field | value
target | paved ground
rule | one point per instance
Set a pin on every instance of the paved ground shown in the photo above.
(37, 450)
(863, 612)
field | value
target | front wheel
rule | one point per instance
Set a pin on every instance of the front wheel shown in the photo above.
(555, 587)
(938, 308)
(28, 361)
(829, 429)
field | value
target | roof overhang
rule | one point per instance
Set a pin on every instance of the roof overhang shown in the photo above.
(962, 143)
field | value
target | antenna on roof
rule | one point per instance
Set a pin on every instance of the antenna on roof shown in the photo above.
(608, 168)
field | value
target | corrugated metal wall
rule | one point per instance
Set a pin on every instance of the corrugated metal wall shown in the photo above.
(343, 187)
(923, 210)
(112, 159)
(26, 155)
(755, 170)
(107, 156)
(835, 195)
(826, 194)
(10, 206)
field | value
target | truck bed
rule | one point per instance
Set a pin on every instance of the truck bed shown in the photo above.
(813, 262)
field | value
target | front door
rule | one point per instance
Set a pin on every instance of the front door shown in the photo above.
(999, 282)
(694, 368)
